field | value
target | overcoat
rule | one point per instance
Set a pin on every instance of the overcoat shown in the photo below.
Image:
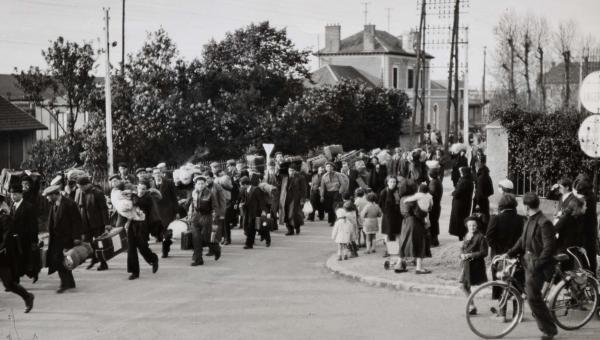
(293, 191)
(504, 231)
(167, 205)
(26, 226)
(254, 203)
(461, 206)
(64, 225)
(436, 190)
(478, 248)
(389, 201)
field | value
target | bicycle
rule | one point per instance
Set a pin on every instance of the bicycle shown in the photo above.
(572, 301)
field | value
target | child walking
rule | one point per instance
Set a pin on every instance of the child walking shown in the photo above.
(473, 253)
(370, 215)
(360, 201)
(344, 229)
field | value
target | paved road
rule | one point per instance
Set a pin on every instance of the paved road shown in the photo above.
(282, 292)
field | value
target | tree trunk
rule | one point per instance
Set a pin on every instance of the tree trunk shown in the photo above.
(526, 64)
(542, 85)
(511, 75)
(567, 60)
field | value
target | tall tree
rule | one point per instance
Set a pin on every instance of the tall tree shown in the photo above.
(542, 37)
(525, 43)
(506, 31)
(70, 65)
(564, 40)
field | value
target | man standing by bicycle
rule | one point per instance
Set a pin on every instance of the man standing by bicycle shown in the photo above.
(537, 245)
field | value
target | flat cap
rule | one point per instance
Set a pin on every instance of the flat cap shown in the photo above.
(138, 170)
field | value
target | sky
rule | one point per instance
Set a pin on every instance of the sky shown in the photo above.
(27, 26)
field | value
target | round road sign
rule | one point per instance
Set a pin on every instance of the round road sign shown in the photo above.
(589, 136)
(590, 92)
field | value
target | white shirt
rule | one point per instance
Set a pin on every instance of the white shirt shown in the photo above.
(16, 205)
(565, 196)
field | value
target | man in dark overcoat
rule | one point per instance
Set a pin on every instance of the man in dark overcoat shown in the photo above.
(26, 227)
(167, 206)
(64, 225)
(293, 196)
(537, 245)
(436, 190)
(9, 259)
(93, 209)
(253, 201)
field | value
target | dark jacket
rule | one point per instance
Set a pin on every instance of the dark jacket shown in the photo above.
(167, 205)
(9, 248)
(504, 231)
(537, 237)
(377, 178)
(254, 204)
(391, 222)
(93, 209)
(436, 190)
(26, 226)
(478, 248)
(64, 225)
(570, 232)
(484, 186)
(293, 192)
(458, 162)
(461, 206)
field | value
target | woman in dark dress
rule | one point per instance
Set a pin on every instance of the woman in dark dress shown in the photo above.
(589, 220)
(461, 203)
(484, 188)
(202, 214)
(473, 253)
(378, 175)
(568, 227)
(389, 201)
(413, 239)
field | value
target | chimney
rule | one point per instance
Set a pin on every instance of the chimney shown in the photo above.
(332, 38)
(369, 38)
(401, 40)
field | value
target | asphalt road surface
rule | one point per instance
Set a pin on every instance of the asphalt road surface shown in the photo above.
(282, 292)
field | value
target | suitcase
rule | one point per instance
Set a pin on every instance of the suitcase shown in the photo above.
(332, 151)
(186, 240)
(110, 244)
(264, 223)
(77, 255)
(9, 178)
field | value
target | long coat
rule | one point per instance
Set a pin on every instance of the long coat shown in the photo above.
(94, 211)
(26, 226)
(461, 206)
(64, 225)
(254, 204)
(539, 237)
(167, 205)
(293, 191)
(377, 178)
(436, 189)
(459, 162)
(484, 188)
(9, 253)
(391, 222)
(478, 248)
(504, 231)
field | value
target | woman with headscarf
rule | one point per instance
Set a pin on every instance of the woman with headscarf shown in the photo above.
(461, 203)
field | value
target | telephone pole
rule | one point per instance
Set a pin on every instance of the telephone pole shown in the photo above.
(123, 41)
(366, 11)
(108, 96)
(466, 91)
(483, 84)
(419, 88)
(451, 76)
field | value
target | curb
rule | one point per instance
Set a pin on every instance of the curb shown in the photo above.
(432, 289)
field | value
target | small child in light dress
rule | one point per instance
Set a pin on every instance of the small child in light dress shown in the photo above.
(360, 201)
(344, 229)
(370, 215)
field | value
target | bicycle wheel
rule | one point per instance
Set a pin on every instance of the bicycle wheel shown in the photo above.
(573, 305)
(499, 308)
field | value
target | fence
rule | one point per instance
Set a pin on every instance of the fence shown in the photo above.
(534, 182)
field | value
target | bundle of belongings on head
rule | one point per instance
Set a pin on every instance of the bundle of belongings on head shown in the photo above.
(9, 177)
(256, 163)
(458, 147)
(184, 175)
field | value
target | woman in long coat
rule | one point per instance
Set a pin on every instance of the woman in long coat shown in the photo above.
(436, 189)
(589, 220)
(292, 197)
(461, 203)
(459, 161)
(389, 201)
(413, 239)
(484, 188)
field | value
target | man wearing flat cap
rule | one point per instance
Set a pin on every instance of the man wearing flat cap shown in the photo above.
(64, 225)
(94, 214)
(333, 186)
(125, 175)
(26, 226)
(166, 207)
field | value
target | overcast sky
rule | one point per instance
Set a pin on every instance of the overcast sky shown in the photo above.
(28, 25)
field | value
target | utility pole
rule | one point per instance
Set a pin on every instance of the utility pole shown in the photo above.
(123, 41)
(418, 99)
(366, 11)
(388, 9)
(466, 90)
(483, 84)
(108, 96)
(453, 63)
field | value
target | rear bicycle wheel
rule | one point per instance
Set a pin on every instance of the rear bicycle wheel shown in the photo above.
(573, 305)
(499, 310)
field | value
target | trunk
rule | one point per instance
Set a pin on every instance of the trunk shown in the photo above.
(526, 64)
(511, 73)
(542, 85)
(567, 60)
(586, 66)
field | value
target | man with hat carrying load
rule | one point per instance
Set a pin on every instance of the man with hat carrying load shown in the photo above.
(26, 226)
(64, 225)
(333, 186)
(94, 215)
(9, 257)
(293, 195)
(167, 205)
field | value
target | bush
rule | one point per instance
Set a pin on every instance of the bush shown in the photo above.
(544, 143)
(51, 156)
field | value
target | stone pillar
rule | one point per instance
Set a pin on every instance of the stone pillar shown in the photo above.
(497, 155)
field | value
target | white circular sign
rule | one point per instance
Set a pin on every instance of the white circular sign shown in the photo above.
(589, 136)
(590, 92)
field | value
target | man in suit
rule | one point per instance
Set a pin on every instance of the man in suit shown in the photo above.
(537, 245)
(167, 205)
(64, 225)
(565, 195)
(9, 258)
(293, 195)
(26, 227)
(253, 201)
(93, 209)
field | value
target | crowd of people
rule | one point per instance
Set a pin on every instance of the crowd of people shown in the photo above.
(359, 194)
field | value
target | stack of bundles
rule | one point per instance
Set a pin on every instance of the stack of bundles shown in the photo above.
(295, 162)
(256, 163)
(458, 147)
(317, 161)
(8, 178)
(384, 157)
(74, 174)
(332, 151)
(183, 175)
(350, 157)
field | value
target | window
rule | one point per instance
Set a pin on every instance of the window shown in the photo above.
(395, 77)
(410, 78)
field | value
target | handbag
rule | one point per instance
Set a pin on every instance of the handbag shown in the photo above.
(307, 208)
